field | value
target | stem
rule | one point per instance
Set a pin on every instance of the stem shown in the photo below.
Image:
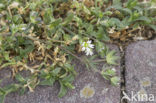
(71, 53)
(99, 60)
(32, 38)
(69, 31)
(10, 12)
(43, 41)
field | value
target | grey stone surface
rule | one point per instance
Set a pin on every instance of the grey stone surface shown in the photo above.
(99, 90)
(141, 71)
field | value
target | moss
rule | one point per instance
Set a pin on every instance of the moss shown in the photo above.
(145, 82)
(87, 92)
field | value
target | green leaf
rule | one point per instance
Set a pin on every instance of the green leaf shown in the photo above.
(116, 22)
(56, 71)
(63, 90)
(101, 34)
(14, 28)
(69, 85)
(1, 6)
(86, 10)
(56, 23)
(99, 46)
(115, 80)
(131, 4)
(143, 18)
(6, 56)
(125, 10)
(22, 27)
(33, 16)
(7, 64)
(69, 78)
(20, 78)
(116, 2)
(111, 58)
(2, 97)
(9, 88)
(89, 28)
(108, 13)
(153, 27)
(90, 64)
(78, 20)
(48, 82)
(48, 17)
(6, 90)
(68, 19)
(67, 37)
(70, 68)
(107, 74)
(17, 19)
(22, 90)
(2, 92)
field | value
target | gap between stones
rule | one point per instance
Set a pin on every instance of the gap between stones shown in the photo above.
(123, 70)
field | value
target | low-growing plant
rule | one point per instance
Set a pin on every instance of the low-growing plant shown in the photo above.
(49, 33)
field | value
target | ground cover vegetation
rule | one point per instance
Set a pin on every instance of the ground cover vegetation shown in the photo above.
(44, 36)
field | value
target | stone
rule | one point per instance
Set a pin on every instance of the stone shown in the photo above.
(90, 87)
(141, 71)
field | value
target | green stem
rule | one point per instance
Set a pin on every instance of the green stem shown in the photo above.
(69, 31)
(99, 60)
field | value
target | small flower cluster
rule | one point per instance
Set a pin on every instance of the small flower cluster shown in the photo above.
(111, 30)
(87, 47)
(114, 69)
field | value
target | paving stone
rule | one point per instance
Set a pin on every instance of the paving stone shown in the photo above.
(91, 87)
(141, 71)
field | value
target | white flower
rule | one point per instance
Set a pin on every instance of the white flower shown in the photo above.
(14, 5)
(89, 52)
(114, 69)
(87, 47)
(101, 49)
(153, 6)
(104, 22)
(145, 1)
(24, 28)
(111, 30)
(127, 27)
